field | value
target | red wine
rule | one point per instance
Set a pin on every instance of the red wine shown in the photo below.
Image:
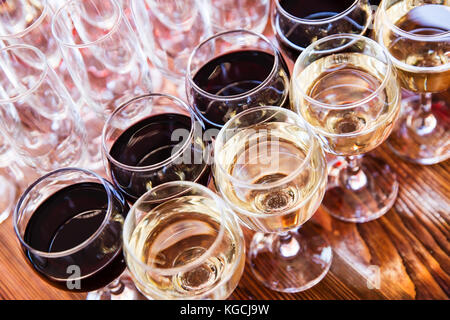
(293, 37)
(65, 220)
(149, 142)
(237, 73)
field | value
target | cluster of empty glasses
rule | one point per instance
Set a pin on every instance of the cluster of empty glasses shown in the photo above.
(128, 178)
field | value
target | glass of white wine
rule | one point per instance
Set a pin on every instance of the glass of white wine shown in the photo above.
(346, 88)
(271, 170)
(417, 36)
(182, 242)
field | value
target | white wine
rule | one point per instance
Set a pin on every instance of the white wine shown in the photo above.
(280, 154)
(337, 83)
(423, 63)
(184, 233)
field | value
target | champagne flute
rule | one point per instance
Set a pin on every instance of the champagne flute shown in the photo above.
(69, 225)
(298, 23)
(242, 14)
(169, 30)
(346, 88)
(37, 113)
(102, 53)
(29, 22)
(182, 242)
(271, 170)
(417, 37)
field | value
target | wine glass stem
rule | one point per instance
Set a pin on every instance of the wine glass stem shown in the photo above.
(354, 178)
(423, 122)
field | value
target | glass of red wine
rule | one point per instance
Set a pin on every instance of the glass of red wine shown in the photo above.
(152, 139)
(69, 224)
(298, 23)
(234, 71)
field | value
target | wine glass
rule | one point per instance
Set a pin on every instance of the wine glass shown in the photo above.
(29, 22)
(346, 88)
(102, 53)
(69, 225)
(298, 23)
(242, 14)
(152, 139)
(417, 37)
(234, 71)
(270, 169)
(169, 30)
(37, 113)
(182, 242)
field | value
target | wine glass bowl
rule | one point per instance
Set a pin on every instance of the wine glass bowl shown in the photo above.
(234, 71)
(296, 24)
(69, 225)
(182, 242)
(152, 139)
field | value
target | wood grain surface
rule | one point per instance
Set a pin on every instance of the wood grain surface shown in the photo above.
(405, 252)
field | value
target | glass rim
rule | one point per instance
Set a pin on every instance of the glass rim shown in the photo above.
(42, 76)
(160, 164)
(413, 36)
(316, 21)
(17, 213)
(34, 25)
(310, 49)
(221, 206)
(189, 76)
(261, 186)
(119, 16)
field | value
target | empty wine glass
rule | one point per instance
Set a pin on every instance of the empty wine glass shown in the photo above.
(69, 225)
(298, 23)
(102, 53)
(152, 139)
(182, 242)
(37, 113)
(346, 88)
(417, 37)
(241, 14)
(270, 169)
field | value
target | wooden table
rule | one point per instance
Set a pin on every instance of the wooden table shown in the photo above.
(405, 252)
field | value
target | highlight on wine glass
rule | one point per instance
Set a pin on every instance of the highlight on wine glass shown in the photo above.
(270, 169)
(37, 114)
(152, 139)
(298, 23)
(169, 30)
(346, 88)
(242, 14)
(234, 71)
(417, 37)
(102, 53)
(69, 224)
(182, 242)
(29, 22)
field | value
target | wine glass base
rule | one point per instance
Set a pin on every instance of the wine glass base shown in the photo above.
(290, 263)
(364, 200)
(427, 146)
(122, 288)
